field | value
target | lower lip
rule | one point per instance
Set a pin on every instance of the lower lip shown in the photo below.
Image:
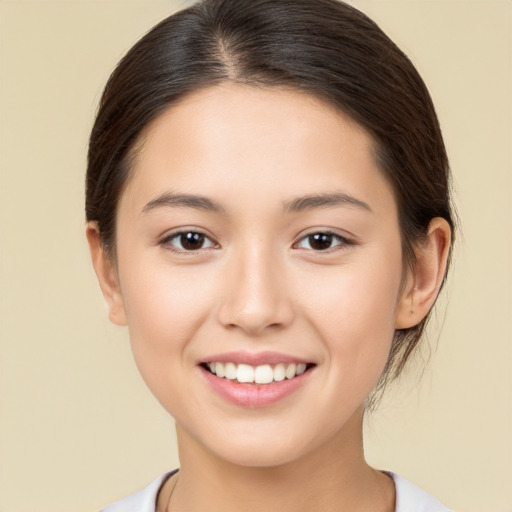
(254, 395)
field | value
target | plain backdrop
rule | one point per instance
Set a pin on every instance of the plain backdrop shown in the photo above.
(78, 428)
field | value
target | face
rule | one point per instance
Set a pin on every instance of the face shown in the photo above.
(258, 240)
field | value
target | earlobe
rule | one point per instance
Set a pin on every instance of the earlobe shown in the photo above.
(425, 280)
(107, 276)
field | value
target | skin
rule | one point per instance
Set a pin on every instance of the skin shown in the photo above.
(258, 284)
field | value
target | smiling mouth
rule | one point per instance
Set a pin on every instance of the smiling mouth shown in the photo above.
(262, 374)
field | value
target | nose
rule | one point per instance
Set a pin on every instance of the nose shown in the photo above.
(255, 297)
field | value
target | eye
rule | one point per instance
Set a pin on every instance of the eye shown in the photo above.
(322, 241)
(187, 241)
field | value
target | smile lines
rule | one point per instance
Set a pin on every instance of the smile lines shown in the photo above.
(263, 374)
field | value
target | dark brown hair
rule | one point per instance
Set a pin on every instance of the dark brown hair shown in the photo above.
(325, 48)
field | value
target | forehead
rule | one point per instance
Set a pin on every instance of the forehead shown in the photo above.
(231, 137)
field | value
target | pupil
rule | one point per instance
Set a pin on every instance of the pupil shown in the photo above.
(192, 241)
(320, 241)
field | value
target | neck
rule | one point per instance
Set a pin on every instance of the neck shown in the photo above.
(333, 477)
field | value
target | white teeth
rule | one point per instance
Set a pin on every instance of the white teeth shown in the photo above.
(219, 370)
(244, 373)
(230, 371)
(290, 371)
(263, 374)
(279, 372)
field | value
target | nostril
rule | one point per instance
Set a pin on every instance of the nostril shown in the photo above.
(255, 320)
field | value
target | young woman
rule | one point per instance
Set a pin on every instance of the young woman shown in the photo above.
(268, 212)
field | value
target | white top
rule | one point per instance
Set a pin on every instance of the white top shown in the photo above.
(409, 498)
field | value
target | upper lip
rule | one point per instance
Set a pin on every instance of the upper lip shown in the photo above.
(254, 358)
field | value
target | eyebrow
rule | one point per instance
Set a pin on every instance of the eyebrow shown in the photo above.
(171, 199)
(313, 201)
(300, 204)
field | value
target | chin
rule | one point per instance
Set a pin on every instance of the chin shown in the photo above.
(261, 456)
(270, 445)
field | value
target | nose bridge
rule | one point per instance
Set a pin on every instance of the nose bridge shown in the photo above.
(255, 297)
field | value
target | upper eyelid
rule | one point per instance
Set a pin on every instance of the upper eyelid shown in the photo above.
(180, 231)
(347, 239)
(166, 239)
(343, 237)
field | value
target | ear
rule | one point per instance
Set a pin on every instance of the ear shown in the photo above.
(424, 281)
(107, 275)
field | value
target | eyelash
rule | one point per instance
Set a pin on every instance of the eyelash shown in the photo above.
(167, 241)
(343, 242)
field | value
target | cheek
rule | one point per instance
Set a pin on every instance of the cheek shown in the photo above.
(164, 308)
(162, 299)
(354, 310)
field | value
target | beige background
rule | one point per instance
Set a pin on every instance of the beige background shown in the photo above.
(77, 426)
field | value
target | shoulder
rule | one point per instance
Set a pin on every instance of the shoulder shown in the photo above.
(410, 498)
(141, 501)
